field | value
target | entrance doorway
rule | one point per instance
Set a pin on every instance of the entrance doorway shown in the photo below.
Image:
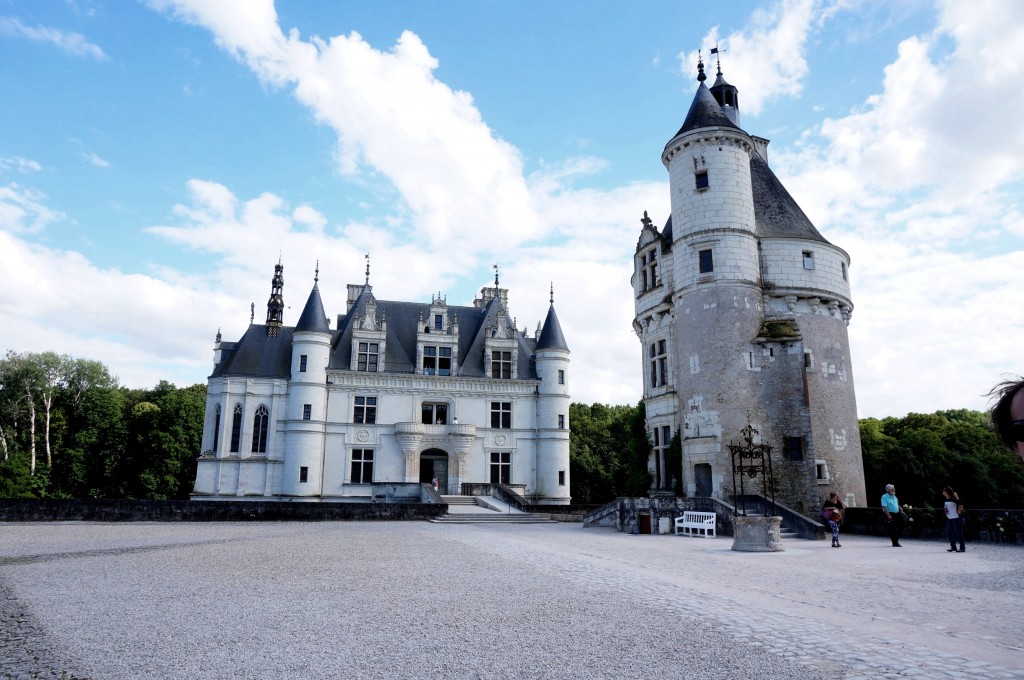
(702, 479)
(434, 463)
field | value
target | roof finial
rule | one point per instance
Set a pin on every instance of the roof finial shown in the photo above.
(316, 275)
(700, 68)
(367, 256)
(551, 299)
(495, 278)
(646, 221)
(252, 312)
(718, 55)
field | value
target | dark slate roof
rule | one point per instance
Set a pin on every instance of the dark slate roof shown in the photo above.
(313, 317)
(256, 356)
(403, 319)
(704, 112)
(551, 336)
(776, 214)
(666, 233)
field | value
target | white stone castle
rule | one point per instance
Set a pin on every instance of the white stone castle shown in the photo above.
(397, 392)
(742, 309)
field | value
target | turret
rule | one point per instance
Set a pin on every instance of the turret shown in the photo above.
(307, 399)
(552, 363)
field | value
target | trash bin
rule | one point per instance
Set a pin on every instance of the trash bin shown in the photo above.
(664, 525)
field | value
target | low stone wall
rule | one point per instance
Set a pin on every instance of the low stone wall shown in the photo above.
(643, 515)
(985, 526)
(54, 510)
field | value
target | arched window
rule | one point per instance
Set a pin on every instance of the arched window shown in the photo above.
(236, 428)
(259, 430)
(216, 426)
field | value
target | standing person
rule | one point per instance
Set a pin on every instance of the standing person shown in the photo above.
(1008, 414)
(832, 512)
(894, 517)
(954, 509)
(434, 482)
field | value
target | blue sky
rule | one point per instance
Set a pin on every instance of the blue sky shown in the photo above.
(156, 158)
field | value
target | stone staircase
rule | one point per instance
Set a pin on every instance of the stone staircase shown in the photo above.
(472, 511)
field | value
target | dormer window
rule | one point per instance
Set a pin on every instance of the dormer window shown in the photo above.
(437, 360)
(701, 178)
(438, 322)
(501, 365)
(368, 357)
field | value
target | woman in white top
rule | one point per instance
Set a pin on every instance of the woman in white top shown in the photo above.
(954, 509)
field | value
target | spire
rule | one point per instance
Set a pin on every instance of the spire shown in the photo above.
(275, 305)
(551, 337)
(705, 111)
(700, 69)
(496, 280)
(313, 318)
(367, 282)
(725, 94)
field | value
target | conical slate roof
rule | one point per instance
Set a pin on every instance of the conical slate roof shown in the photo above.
(705, 112)
(776, 213)
(313, 318)
(551, 336)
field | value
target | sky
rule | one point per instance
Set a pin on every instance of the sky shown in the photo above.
(158, 158)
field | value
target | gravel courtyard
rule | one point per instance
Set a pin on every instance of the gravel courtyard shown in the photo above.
(421, 600)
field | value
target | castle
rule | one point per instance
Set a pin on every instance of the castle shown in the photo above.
(742, 309)
(397, 392)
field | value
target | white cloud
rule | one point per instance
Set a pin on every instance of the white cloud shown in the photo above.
(22, 165)
(22, 210)
(914, 184)
(767, 56)
(462, 184)
(74, 44)
(95, 160)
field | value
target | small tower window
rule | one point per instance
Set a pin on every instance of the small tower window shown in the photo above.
(302, 363)
(307, 411)
(843, 265)
(701, 178)
(303, 474)
(561, 377)
(808, 260)
(707, 262)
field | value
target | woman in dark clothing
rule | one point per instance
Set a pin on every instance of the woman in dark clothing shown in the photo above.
(832, 512)
(954, 509)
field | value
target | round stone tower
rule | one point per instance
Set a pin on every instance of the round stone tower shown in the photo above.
(307, 401)
(552, 362)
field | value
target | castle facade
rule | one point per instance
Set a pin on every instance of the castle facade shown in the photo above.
(396, 392)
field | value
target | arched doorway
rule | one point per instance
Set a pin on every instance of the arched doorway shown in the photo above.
(434, 463)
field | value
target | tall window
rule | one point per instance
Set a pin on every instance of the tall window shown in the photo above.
(501, 414)
(501, 365)
(437, 360)
(307, 411)
(216, 427)
(707, 262)
(561, 421)
(794, 448)
(561, 377)
(438, 322)
(365, 410)
(236, 428)
(362, 466)
(649, 270)
(501, 467)
(303, 474)
(259, 430)
(434, 414)
(302, 363)
(367, 357)
(658, 363)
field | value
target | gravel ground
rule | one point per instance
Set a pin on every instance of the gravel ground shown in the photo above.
(418, 600)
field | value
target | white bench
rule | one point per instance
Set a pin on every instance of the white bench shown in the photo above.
(694, 523)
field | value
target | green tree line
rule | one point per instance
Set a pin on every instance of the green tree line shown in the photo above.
(68, 430)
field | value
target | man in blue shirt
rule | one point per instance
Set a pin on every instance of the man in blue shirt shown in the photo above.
(894, 517)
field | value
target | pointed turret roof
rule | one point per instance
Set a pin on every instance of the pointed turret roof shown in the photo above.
(705, 112)
(776, 212)
(551, 337)
(313, 318)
